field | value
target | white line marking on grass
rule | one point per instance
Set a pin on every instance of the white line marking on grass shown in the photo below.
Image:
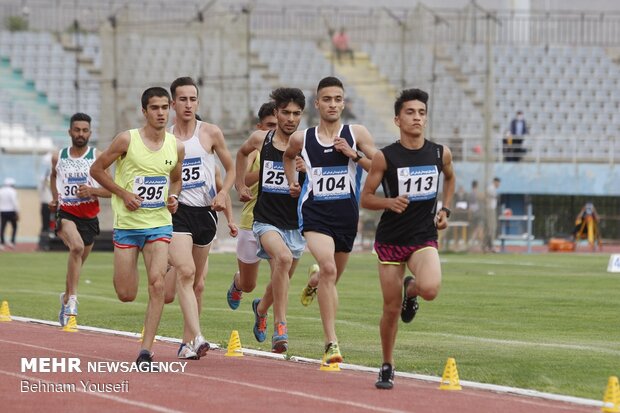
(492, 262)
(117, 399)
(345, 366)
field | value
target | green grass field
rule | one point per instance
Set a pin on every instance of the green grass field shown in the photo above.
(543, 322)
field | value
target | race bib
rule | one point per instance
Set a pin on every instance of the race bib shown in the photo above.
(274, 179)
(330, 183)
(193, 173)
(151, 189)
(419, 183)
(70, 189)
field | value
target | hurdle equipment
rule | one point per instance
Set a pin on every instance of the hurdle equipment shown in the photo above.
(450, 378)
(234, 345)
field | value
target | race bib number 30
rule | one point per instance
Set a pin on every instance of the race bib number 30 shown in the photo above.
(70, 188)
(193, 173)
(151, 189)
(274, 179)
(330, 183)
(419, 183)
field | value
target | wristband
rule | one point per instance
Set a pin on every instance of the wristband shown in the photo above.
(447, 211)
(175, 196)
(358, 157)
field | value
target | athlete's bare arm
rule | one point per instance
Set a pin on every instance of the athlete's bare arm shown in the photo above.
(176, 179)
(449, 182)
(118, 148)
(251, 177)
(220, 148)
(253, 143)
(53, 204)
(366, 144)
(369, 198)
(86, 191)
(232, 227)
(294, 147)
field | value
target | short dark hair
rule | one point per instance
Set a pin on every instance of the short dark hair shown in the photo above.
(77, 117)
(328, 82)
(407, 95)
(497, 179)
(284, 95)
(474, 184)
(156, 91)
(182, 81)
(266, 109)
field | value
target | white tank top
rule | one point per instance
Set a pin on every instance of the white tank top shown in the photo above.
(198, 172)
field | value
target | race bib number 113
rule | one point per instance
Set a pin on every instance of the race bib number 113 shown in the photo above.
(419, 183)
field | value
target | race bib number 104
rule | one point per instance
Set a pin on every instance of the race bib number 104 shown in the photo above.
(330, 183)
(151, 189)
(419, 183)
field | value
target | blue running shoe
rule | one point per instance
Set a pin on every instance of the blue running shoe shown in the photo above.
(62, 317)
(260, 322)
(233, 296)
(279, 340)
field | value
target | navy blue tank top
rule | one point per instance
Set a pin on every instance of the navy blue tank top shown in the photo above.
(330, 193)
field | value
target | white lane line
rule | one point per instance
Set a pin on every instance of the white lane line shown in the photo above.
(152, 407)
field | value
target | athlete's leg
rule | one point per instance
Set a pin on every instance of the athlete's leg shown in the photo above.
(246, 277)
(201, 260)
(156, 261)
(183, 270)
(322, 248)
(126, 273)
(280, 262)
(78, 253)
(425, 264)
(391, 279)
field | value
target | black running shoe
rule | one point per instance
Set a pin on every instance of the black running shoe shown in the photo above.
(410, 304)
(386, 377)
(144, 360)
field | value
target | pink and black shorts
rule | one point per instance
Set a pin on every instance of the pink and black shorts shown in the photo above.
(396, 254)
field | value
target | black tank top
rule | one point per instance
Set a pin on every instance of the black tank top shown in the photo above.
(412, 172)
(274, 204)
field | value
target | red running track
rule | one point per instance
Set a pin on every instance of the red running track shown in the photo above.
(222, 384)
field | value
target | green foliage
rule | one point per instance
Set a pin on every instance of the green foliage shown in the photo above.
(16, 23)
(544, 322)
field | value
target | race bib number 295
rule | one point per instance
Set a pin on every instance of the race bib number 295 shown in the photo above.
(151, 189)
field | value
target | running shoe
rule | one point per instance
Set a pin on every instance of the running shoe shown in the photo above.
(332, 354)
(62, 316)
(233, 296)
(386, 377)
(260, 322)
(185, 352)
(146, 357)
(279, 340)
(410, 304)
(199, 345)
(308, 293)
(71, 309)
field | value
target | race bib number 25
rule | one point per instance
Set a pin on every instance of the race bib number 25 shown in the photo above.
(419, 183)
(151, 189)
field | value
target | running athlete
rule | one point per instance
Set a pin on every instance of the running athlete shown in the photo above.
(75, 199)
(244, 280)
(276, 226)
(195, 222)
(145, 192)
(328, 205)
(409, 170)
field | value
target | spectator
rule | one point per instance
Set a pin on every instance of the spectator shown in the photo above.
(341, 45)
(9, 207)
(476, 215)
(45, 197)
(455, 143)
(491, 216)
(513, 142)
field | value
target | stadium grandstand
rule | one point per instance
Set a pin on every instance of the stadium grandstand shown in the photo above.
(481, 62)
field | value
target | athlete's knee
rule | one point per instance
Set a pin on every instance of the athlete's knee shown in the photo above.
(199, 287)
(126, 294)
(157, 287)
(283, 259)
(76, 249)
(246, 285)
(428, 291)
(328, 271)
(168, 297)
(391, 310)
(185, 273)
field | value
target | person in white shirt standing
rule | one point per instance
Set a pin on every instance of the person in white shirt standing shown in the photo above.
(9, 207)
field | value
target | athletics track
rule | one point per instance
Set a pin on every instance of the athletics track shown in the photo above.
(217, 383)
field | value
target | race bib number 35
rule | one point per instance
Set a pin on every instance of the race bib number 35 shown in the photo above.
(151, 189)
(193, 173)
(330, 183)
(419, 183)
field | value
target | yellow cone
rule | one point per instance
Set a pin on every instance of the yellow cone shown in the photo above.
(330, 367)
(71, 325)
(450, 378)
(5, 314)
(611, 399)
(234, 345)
